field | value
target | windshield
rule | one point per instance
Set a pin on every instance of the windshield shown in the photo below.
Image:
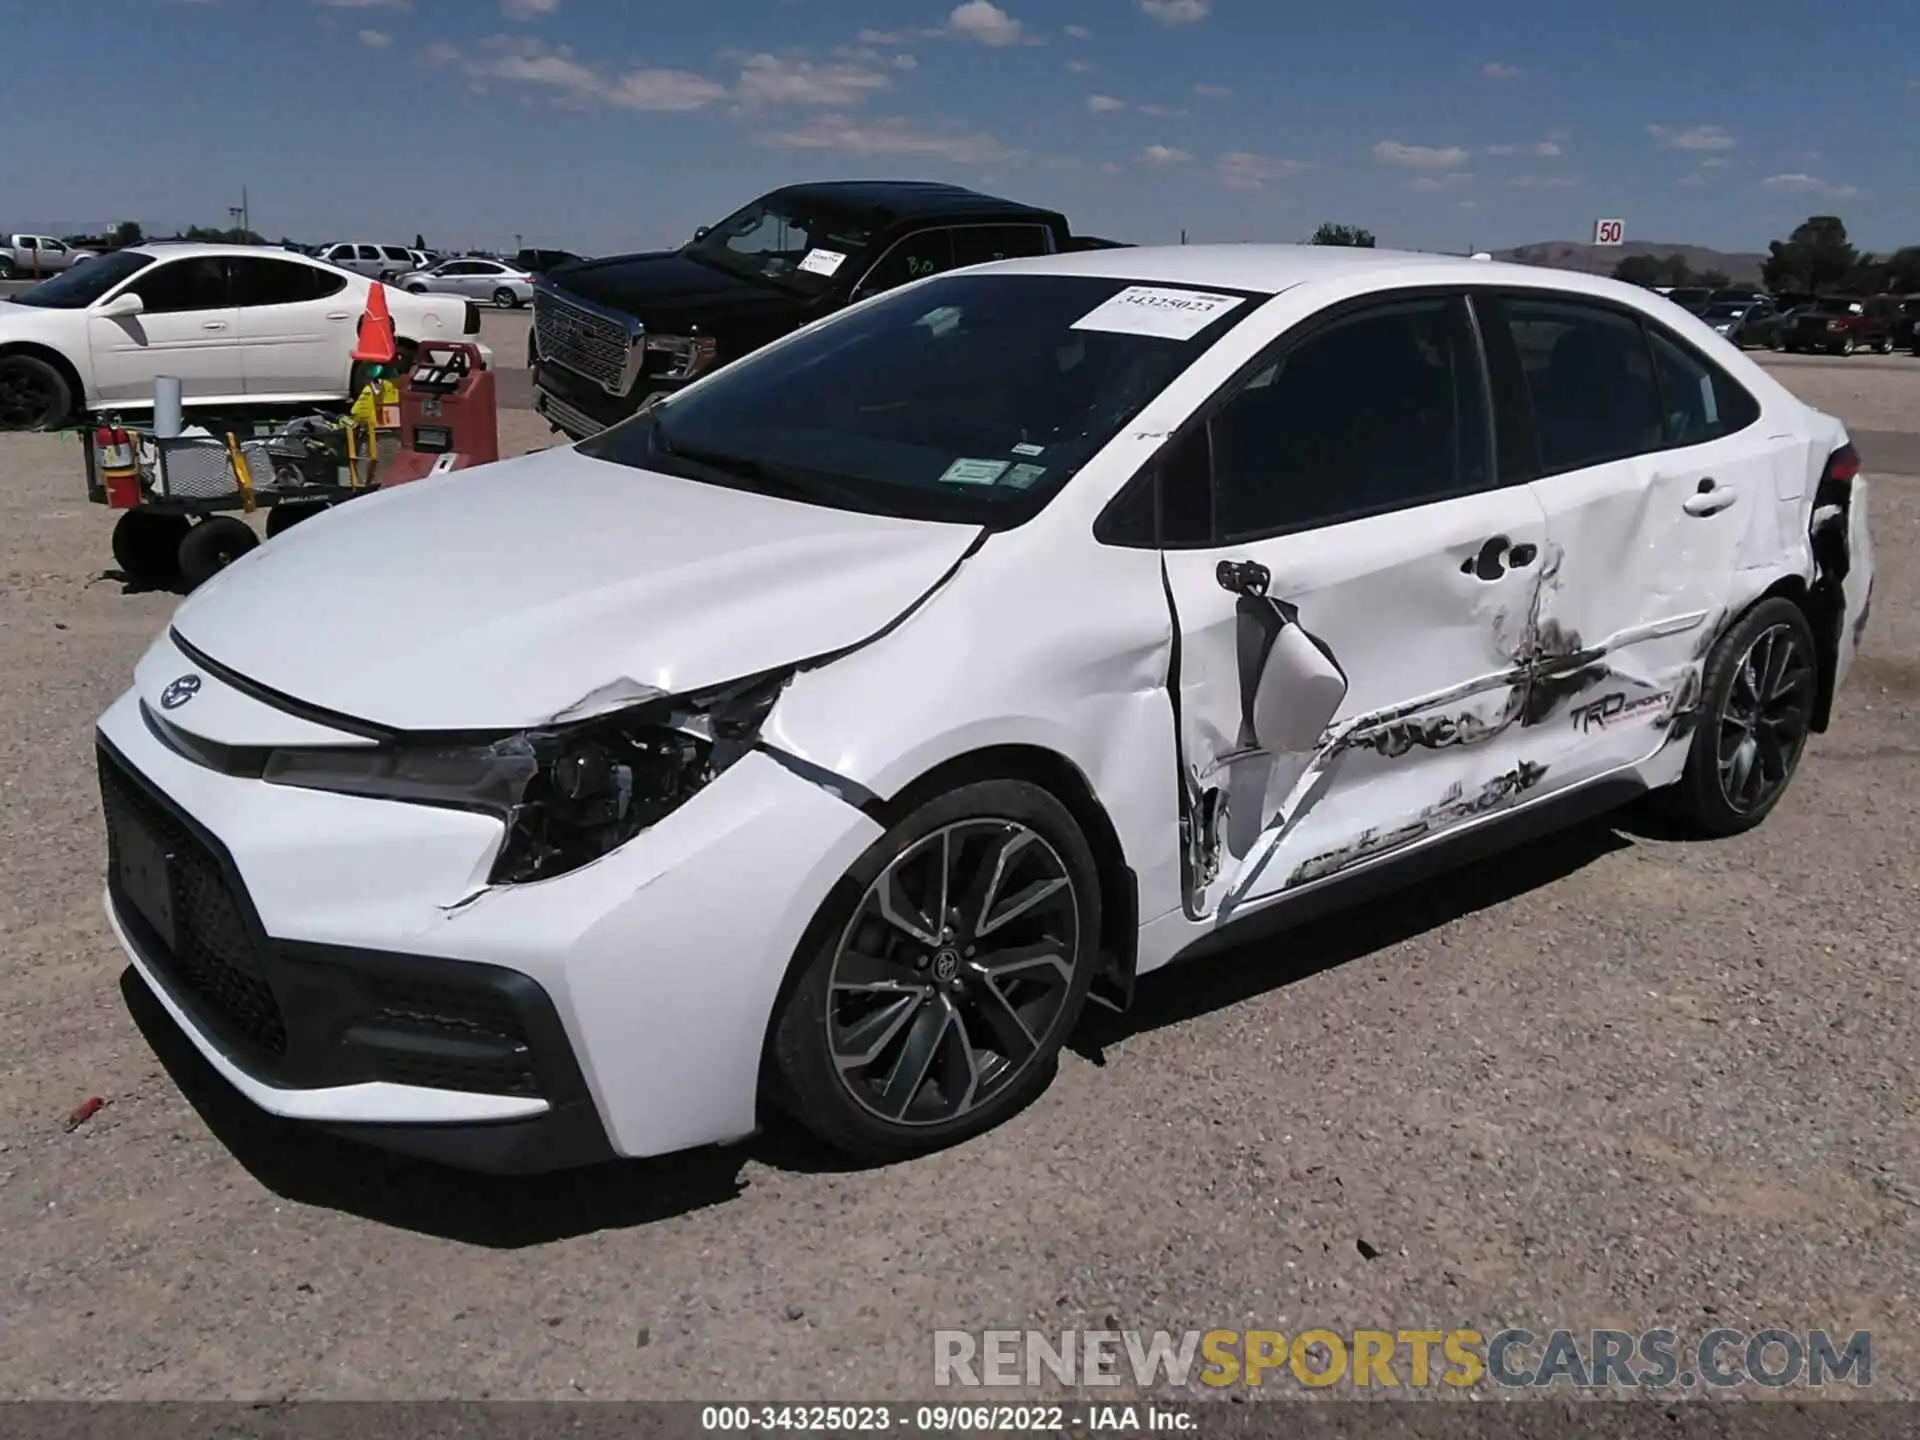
(970, 398)
(794, 242)
(79, 287)
(1834, 307)
(1726, 312)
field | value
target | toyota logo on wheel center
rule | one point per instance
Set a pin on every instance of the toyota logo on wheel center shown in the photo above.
(179, 692)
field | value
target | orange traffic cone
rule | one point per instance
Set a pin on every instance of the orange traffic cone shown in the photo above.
(377, 345)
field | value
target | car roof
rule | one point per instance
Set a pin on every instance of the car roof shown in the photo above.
(907, 199)
(1269, 269)
(177, 249)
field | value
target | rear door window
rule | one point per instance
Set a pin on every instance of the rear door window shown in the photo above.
(1590, 378)
(979, 244)
(1699, 401)
(925, 252)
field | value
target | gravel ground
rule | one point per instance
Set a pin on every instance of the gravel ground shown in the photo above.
(1612, 1080)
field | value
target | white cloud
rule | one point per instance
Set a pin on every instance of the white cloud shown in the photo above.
(1213, 92)
(1543, 182)
(1419, 157)
(1079, 32)
(986, 22)
(1430, 184)
(1079, 67)
(1111, 168)
(528, 9)
(1696, 137)
(1164, 112)
(1494, 70)
(767, 79)
(1104, 104)
(887, 37)
(375, 39)
(1798, 184)
(890, 137)
(1164, 155)
(1177, 12)
(1544, 148)
(365, 4)
(1245, 170)
(905, 62)
(576, 83)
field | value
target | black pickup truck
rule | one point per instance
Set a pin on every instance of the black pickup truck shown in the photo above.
(610, 336)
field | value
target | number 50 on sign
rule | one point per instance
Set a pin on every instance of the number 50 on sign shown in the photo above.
(1609, 232)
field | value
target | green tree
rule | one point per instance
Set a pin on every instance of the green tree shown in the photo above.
(127, 232)
(1903, 269)
(1713, 279)
(1332, 234)
(1815, 259)
(419, 242)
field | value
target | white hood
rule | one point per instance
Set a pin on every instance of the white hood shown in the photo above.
(551, 587)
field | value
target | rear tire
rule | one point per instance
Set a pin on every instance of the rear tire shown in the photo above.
(146, 547)
(283, 517)
(506, 299)
(33, 394)
(211, 546)
(902, 1034)
(1756, 710)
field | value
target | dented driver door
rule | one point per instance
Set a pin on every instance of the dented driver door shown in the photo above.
(1343, 684)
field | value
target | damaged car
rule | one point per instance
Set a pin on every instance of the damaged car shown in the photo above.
(827, 737)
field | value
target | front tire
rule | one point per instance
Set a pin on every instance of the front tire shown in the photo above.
(506, 299)
(1756, 710)
(33, 395)
(943, 976)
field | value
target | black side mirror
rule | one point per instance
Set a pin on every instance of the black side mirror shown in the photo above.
(703, 232)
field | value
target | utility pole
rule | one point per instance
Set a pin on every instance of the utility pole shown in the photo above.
(240, 215)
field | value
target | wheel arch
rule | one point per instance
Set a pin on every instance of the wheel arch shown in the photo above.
(69, 372)
(1118, 946)
(1825, 608)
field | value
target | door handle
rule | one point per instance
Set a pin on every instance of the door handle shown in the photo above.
(339, 315)
(1243, 577)
(1710, 499)
(1490, 562)
(214, 325)
(1521, 556)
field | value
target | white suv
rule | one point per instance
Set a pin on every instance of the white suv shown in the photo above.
(376, 262)
(237, 324)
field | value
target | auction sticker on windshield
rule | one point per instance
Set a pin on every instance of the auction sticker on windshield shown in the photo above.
(1152, 310)
(822, 262)
(974, 472)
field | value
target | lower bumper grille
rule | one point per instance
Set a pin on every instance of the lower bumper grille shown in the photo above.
(301, 1015)
(576, 422)
(166, 885)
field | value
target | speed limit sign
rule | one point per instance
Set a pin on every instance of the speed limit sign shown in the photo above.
(1609, 232)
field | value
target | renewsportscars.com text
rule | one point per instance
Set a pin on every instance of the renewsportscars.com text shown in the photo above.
(1404, 1359)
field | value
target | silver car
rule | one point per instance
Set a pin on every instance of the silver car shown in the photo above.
(475, 278)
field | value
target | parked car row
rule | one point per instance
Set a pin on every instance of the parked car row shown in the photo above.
(32, 255)
(1836, 325)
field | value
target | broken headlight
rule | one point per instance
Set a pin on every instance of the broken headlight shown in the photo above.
(567, 794)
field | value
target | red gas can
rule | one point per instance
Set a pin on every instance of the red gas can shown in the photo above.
(449, 417)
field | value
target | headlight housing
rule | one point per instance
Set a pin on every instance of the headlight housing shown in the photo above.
(567, 794)
(681, 357)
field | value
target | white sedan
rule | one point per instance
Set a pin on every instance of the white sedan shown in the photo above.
(827, 736)
(236, 324)
(475, 278)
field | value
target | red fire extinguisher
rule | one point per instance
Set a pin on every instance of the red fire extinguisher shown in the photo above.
(119, 473)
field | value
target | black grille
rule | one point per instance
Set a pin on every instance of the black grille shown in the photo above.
(469, 1038)
(212, 957)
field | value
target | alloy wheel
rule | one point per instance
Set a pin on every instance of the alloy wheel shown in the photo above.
(27, 397)
(1763, 723)
(953, 971)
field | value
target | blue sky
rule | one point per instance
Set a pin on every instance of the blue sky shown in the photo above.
(600, 125)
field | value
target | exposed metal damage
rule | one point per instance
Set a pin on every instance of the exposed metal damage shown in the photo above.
(1550, 672)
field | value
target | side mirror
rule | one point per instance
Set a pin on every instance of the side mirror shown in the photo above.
(703, 232)
(123, 306)
(1298, 693)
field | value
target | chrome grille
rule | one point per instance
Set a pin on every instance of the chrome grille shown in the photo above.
(585, 341)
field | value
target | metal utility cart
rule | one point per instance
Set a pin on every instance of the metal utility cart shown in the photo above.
(175, 494)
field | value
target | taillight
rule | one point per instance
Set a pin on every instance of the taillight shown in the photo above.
(1836, 481)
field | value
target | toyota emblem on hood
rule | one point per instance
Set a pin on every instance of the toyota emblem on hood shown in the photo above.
(178, 692)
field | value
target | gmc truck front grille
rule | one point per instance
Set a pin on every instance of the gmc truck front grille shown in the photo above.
(586, 342)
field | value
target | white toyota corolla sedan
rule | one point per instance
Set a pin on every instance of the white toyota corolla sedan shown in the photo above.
(829, 735)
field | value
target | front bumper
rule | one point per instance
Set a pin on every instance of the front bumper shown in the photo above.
(580, 407)
(342, 961)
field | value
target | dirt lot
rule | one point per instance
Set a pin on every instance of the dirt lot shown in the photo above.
(1612, 1080)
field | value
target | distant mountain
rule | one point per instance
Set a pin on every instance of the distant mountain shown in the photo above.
(1742, 268)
